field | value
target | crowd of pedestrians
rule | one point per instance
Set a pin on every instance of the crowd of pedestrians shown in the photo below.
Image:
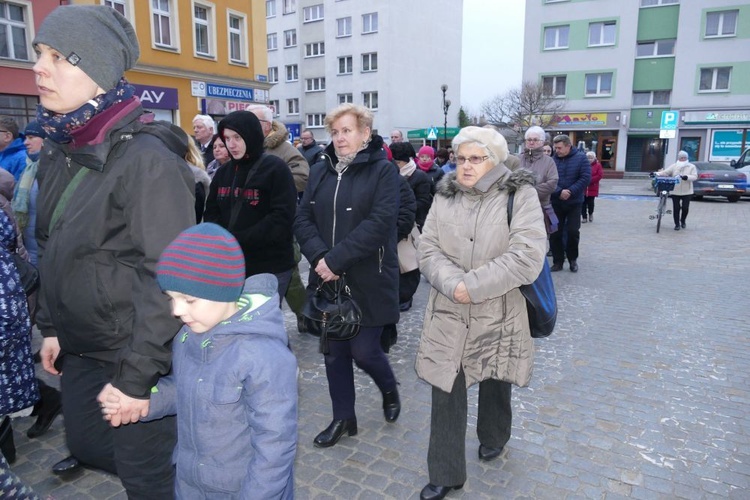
(164, 260)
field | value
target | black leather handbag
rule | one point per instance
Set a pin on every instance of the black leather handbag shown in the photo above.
(331, 313)
(28, 273)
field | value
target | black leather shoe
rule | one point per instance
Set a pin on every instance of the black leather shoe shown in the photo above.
(391, 405)
(47, 409)
(333, 432)
(433, 492)
(301, 327)
(67, 466)
(573, 266)
(486, 453)
(683, 225)
(555, 268)
(7, 444)
(676, 227)
(405, 306)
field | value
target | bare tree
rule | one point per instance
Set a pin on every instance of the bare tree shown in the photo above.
(523, 107)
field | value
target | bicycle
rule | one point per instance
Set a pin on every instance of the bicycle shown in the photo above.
(662, 186)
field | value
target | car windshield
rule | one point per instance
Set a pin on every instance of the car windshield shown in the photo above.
(712, 166)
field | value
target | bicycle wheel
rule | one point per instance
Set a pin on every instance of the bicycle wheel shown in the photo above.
(660, 210)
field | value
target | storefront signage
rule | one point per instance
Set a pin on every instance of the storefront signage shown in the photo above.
(227, 92)
(197, 89)
(726, 145)
(224, 107)
(157, 97)
(581, 119)
(723, 116)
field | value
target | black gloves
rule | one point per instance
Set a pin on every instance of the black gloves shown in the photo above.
(684, 177)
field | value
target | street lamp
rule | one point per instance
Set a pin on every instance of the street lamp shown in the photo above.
(446, 105)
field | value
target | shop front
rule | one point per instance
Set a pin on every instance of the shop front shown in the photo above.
(715, 135)
(597, 132)
(163, 102)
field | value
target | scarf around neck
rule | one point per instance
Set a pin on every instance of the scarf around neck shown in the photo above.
(408, 169)
(59, 126)
(344, 161)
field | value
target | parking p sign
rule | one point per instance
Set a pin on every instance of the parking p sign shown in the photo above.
(668, 127)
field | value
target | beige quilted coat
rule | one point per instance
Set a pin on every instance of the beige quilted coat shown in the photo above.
(466, 238)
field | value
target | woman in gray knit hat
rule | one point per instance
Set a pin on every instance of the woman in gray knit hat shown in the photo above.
(112, 195)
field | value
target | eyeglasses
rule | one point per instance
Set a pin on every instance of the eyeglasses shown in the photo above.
(4, 131)
(474, 160)
(533, 140)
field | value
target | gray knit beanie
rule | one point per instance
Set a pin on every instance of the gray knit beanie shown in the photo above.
(96, 38)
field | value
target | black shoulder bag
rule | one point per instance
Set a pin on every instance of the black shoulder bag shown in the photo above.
(541, 301)
(331, 313)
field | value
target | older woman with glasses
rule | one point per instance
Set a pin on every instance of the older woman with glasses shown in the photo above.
(543, 167)
(476, 328)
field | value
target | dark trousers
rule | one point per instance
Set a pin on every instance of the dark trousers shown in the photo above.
(284, 278)
(366, 352)
(140, 454)
(446, 456)
(570, 225)
(408, 283)
(680, 207)
(588, 206)
(295, 293)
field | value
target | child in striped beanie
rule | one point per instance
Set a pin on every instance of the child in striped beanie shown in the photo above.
(233, 384)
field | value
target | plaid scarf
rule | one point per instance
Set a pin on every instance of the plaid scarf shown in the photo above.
(59, 126)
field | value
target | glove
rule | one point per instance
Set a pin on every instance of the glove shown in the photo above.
(684, 177)
(652, 174)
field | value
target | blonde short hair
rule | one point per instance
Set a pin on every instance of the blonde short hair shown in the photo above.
(194, 155)
(362, 114)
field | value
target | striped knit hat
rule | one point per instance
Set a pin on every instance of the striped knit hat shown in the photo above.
(204, 261)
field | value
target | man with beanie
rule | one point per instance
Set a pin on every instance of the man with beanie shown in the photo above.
(233, 384)
(255, 199)
(111, 198)
(12, 150)
(574, 174)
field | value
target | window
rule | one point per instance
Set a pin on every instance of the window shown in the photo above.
(273, 75)
(370, 100)
(315, 84)
(655, 49)
(290, 6)
(162, 21)
(343, 27)
(652, 98)
(270, 8)
(602, 33)
(556, 37)
(653, 3)
(13, 41)
(345, 65)
(272, 41)
(315, 49)
(345, 98)
(370, 62)
(714, 79)
(203, 25)
(312, 13)
(274, 105)
(598, 84)
(290, 38)
(292, 106)
(722, 23)
(316, 120)
(118, 5)
(554, 86)
(370, 23)
(292, 73)
(237, 43)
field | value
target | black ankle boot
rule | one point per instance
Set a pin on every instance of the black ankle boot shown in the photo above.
(47, 409)
(333, 432)
(391, 405)
(7, 445)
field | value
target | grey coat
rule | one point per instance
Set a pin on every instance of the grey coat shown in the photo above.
(466, 238)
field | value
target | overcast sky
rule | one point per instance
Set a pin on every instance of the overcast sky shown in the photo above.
(492, 59)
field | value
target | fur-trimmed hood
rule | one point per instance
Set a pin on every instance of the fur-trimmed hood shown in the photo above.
(505, 179)
(278, 134)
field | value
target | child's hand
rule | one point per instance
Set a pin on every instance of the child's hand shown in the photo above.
(109, 401)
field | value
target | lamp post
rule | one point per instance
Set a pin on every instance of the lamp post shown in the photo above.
(446, 105)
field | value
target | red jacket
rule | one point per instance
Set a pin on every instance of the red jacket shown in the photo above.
(596, 175)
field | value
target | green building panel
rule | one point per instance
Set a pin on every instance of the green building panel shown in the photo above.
(743, 21)
(658, 23)
(575, 84)
(653, 74)
(646, 117)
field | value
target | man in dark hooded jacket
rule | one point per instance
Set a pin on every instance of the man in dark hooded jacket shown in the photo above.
(253, 196)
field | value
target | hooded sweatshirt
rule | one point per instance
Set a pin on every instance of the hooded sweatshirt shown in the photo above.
(234, 391)
(260, 189)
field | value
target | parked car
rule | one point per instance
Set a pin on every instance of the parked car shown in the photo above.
(746, 170)
(743, 161)
(719, 179)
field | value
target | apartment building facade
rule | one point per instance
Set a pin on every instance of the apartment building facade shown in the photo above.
(390, 56)
(196, 56)
(619, 65)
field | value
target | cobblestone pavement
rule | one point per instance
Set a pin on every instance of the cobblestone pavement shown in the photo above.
(641, 392)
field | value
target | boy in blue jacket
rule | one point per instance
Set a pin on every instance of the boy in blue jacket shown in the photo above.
(233, 384)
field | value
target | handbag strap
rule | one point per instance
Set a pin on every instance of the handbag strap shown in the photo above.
(65, 197)
(510, 206)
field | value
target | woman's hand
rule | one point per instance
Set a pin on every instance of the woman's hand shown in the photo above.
(325, 272)
(461, 295)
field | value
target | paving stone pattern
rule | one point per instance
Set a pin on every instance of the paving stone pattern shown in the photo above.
(641, 392)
